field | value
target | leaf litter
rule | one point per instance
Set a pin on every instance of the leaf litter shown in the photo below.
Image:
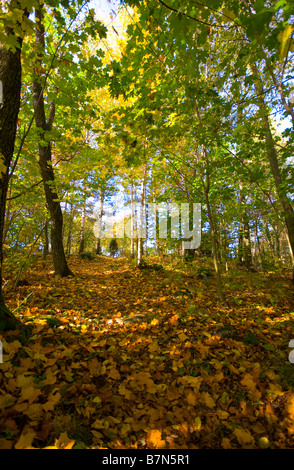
(119, 358)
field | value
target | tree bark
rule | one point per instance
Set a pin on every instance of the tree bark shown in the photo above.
(141, 230)
(82, 232)
(245, 254)
(132, 222)
(100, 215)
(46, 241)
(68, 242)
(45, 158)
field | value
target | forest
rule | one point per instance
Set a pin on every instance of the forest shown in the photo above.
(146, 224)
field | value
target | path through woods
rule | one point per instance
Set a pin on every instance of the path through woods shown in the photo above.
(127, 358)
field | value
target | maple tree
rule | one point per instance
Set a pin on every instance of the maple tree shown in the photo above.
(150, 344)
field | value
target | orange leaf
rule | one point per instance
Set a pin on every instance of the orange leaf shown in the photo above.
(154, 439)
(64, 442)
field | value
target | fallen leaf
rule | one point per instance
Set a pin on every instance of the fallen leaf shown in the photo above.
(244, 437)
(25, 440)
(64, 442)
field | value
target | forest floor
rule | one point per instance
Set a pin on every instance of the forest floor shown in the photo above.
(123, 358)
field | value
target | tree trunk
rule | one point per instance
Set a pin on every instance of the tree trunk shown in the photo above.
(82, 232)
(132, 222)
(214, 248)
(100, 215)
(7, 214)
(206, 188)
(10, 76)
(45, 160)
(71, 217)
(245, 254)
(141, 229)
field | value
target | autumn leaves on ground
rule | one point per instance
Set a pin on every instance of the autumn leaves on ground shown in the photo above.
(121, 357)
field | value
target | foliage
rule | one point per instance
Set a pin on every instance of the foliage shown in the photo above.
(164, 102)
(158, 365)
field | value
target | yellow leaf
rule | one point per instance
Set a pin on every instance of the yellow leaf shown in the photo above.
(289, 408)
(182, 337)
(125, 429)
(25, 440)
(30, 394)
(100, 424)
(285, 39)
(193, 382)
(114, 374)
(12, 347)
(244, 437)
(191, 399)
(223, 414)
(207, 400)
(24, 381)
(50, 378)
(6, 401)
(97, 400)
(153, 347)
(52, 401)
(264, 443)
(34, 412)
(161, 388)
(197, 424)
(226, 443)
(68, 376)
(228, 16)
(97, 434)
(64, 442)
(249, 383)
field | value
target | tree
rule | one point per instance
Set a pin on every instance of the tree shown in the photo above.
(113, 247)
(10, 76)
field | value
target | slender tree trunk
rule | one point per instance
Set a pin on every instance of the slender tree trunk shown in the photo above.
(45, 160)
(156, 228)
(141, 230)
(245, 254)
(100, 215)
(206, 188)
(146, 225)
(63, 225)
(132, 222)
(82, 231)
(68, 242)
(214, 248)
(10, 76)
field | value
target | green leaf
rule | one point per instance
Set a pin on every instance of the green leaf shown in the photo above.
(228, 16)
(286, 41)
